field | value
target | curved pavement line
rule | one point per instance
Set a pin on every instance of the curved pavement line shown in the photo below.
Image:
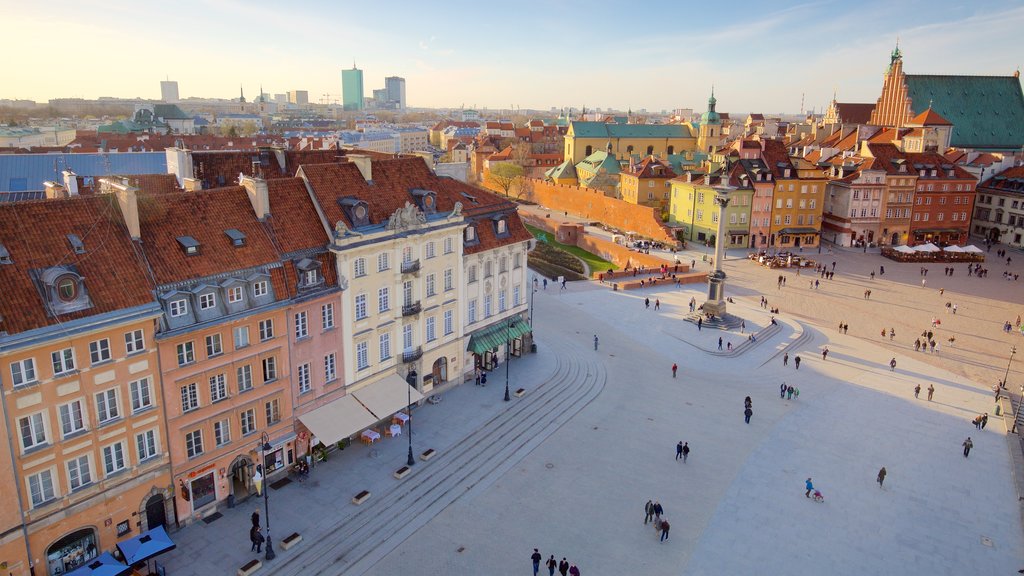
(356, 544)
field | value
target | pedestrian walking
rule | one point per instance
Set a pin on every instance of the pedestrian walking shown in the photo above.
(968, 444)
(664, 530)
(785, 359)
(984, 421)
(595, 341)
(743, 326)
(892, 365)
(931, 392)
(782, 390)
(536, 557)
(881, 270)
(574, 571)
(809, 487)
(686, 450)
(563, 567)
(824, 353)
(658, 511)
(674, 368)
(917, 391)
(881, 476)
(797, 362)
(977, 422)
(552, 564)
(657, 304)
(924, 282)
(545, 283)
(789, 393)
(747, 414)
(700, 322)
(648, 511)
(257, 539)
(719, 342)
(679, 450)
(647, 302)
(255, 518)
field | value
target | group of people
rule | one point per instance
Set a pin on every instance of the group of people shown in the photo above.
(788, 392)
(564, 567)
(785, 360)
(980, 421)
(931, 391)
(653, 511)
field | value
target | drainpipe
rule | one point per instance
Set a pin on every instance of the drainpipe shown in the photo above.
(17, 483)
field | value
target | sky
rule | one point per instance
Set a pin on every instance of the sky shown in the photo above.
(654, 55)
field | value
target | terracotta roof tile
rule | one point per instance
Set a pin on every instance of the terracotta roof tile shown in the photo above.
(35, 235)
(152, 183)
(293, 220)
(930, 118)
(855, 112)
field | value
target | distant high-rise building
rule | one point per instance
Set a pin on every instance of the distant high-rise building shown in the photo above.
(380, 97)
(169, 90)
(352, 88)
(395, 87)
(298, 97)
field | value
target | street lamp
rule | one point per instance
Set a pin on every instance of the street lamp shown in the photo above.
(1013, 350)
(531, 300)
(508, 352)
(265, 447)
(411, 380)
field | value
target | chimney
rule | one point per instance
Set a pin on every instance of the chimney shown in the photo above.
(689, 176)
(127, 198)
(363, 163)
(259, 195)
(193, 184)
(70, 182)
(54, 190)
(707, 179)
(179, 163)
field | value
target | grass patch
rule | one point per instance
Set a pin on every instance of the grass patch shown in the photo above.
(596, 263)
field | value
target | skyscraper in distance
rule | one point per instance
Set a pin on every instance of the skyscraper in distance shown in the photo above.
(352, 88)
(395, 87)
(169, 90)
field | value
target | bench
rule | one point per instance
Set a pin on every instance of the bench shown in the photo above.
(427, 454)
(291, 540)
(519, 393)
(361, 497)
(249, 567)
(402, 472)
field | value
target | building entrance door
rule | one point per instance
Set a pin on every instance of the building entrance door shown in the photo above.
(156, 512)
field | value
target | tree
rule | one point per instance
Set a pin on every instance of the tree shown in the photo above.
(504, 175)
(524, 188)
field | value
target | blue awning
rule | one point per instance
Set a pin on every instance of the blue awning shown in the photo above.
(103, 565)
(146, 545)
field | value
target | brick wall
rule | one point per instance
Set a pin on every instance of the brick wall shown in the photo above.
(610, 251)
(595, 206)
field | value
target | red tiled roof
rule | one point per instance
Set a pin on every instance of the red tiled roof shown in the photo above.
(35, 235)
(1002, 181)
(774, 154)
(930, 118)
(854, 112)
(293, 220)
(203, 215)
(887, 157)
(646, 169)
(984, 159)
(152, 183)
(937, 160)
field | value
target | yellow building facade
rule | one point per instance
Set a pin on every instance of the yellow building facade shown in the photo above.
(662, 140)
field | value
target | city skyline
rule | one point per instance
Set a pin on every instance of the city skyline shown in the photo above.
(803, 52)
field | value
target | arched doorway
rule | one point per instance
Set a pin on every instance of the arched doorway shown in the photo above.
(440, 370)
(71, 551)
(241, 478)
(895, 239)
(156, 512)
(993, 234)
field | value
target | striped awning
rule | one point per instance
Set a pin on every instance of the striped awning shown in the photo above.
(496, 335)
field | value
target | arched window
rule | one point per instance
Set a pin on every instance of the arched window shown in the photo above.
(67, 288)
(588, 151)
(650, 150)
(671, 150)
(629, 149)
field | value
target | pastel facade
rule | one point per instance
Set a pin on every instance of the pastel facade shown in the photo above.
(584, 138)
(943, 202)
(693, 206)
(753, 173)
(999, 209)
(646, 183)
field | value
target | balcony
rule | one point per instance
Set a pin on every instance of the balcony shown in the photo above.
(411, 267)
(412, 354)
(412, 309)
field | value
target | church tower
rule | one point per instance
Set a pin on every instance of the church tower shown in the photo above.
(709, 135)
(893, 106)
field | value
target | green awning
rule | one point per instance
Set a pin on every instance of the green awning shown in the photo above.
(497, 335)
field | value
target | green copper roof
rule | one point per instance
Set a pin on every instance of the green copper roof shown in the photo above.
(601, 159)
(603, 130)
(986, 111)
(563, 170)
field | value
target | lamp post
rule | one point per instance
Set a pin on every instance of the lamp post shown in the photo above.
(1013, 350)
(531, 300)
(264, 447)
(508, 352)
(411, 380)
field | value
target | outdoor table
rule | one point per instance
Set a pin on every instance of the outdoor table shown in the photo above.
(400, 418)
(394, 430)
(369, 436)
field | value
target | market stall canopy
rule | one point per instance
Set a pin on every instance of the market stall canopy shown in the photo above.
(146, 545)
(929, 247)
(953, 248)
(338, 419)
(904, 249)
(103, 565)
(387, 396)
(973, 249)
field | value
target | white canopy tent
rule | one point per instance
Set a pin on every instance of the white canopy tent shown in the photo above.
(929, 247)
(954, 248)
(904, 249)
(973, 249)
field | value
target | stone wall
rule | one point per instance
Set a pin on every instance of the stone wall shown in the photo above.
(610, 251)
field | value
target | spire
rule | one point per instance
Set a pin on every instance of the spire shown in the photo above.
(241, 94)
(711, 100)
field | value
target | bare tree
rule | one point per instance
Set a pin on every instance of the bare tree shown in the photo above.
(504, 175)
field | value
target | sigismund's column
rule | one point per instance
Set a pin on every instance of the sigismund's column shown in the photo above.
(715, 303)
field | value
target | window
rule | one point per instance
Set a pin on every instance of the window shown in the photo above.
(448, 246)
(813, 204)
(941, 216)
(113, 458)
(488, 269)
(942, 201)
(178, 308)
(383, 261)
(78, 472)
(431, 290)
(266, 329)
(194, 443)
(406, 254)
(789, 219)
(471, 274)
(471, 311)
(207, 301)
(407, 337)
(383, 300)
(516, 296)
(241, 336)
(303, 378)
(33, 430)
(145, 445)
(407, 293)
(221, 432)
(789, 202)
(71, 420)
(234, 294)
(470, 234)
(447, 279)
(63, 361)
(40, 487)
(106, 406)
(361, 307)
(430, 250)
(218, 387)
(311, 277)
(856, 194)
(327, 316)
(244, 375)
(273, 411)
(385, 346)
(732, 218)
(99, 351)
(134, 342)
(928, 200)
(924, 217)
(501, 301)
(186, 353)
(23, 372)
(917, 217)
(778, 220)
(963, 216)
(213, 346)
(301, 326)
(430, 329)
(362, 356)
(778, 203)
(248, 419)
(141, 393)
(189, 397)
(260, 289)
(269, 369)
(810, 219)
(517, 261)
(954, 215)
(330, 367)
(359, 267)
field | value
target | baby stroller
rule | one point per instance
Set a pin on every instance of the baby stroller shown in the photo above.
(817, 497)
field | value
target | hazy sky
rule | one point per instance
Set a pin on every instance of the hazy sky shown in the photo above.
(760, 56)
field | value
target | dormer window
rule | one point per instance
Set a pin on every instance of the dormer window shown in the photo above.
(426, 200)
(189, 245)
(63, 288)
(309, 273)
(358, 211)
(5, 256)
(67, 288)
(470, 235)
(76, 244)
(236, 236)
